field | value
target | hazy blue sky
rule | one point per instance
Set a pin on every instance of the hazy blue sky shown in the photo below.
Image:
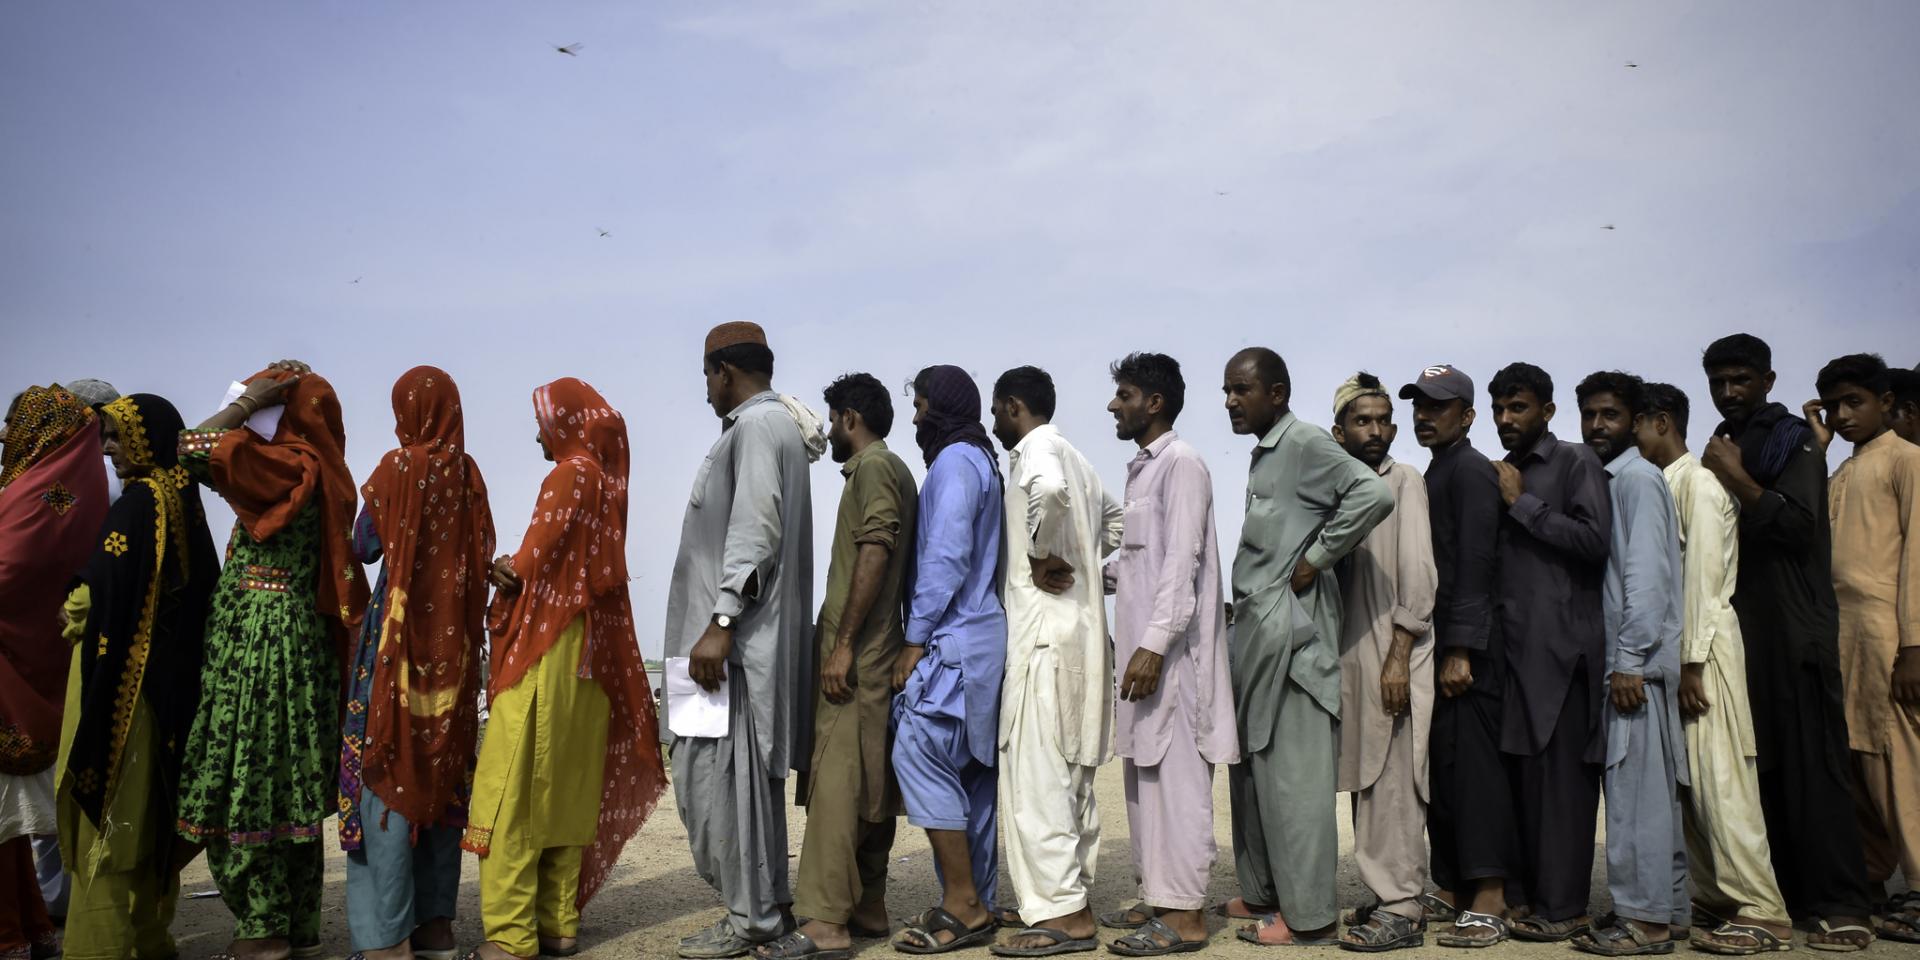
(187, 192)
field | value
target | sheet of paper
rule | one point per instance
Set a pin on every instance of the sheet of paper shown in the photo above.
(691, 710)
(265, 421)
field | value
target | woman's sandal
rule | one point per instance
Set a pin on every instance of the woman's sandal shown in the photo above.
(1620, 939)
(1155, 939)
(1384, 930)
(1731, 939)
(1536, 930)
(1840, 939)
(1468, 920)
(929, 926)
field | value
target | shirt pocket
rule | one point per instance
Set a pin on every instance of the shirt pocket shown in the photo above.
(699, 495)
(1141, 524)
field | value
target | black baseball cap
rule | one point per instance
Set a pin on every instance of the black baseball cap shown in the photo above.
(1440, 382)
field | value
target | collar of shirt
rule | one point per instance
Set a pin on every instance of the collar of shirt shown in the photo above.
(872, 449)
(1886, 439)
(1623, 461)
(1157, 447)
(1538, 451)
(1038, 434)
(1384, 466)
(1272, 438)
(1678, 466)
(758, 398)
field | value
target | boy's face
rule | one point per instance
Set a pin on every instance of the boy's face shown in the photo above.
(1854, 412)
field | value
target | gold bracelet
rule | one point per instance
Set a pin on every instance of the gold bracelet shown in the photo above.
(249, 412)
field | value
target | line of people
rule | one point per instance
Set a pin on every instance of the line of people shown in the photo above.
(1475, 656)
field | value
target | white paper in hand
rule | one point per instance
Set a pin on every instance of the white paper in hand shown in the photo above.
(265, 421)
(691, 710)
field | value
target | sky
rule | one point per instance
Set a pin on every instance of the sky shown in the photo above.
(188, 193)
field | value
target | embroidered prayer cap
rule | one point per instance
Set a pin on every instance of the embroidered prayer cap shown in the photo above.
(734, 333)
(1354, 389)
(93, 393)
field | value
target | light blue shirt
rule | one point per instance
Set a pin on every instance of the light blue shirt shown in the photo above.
(1644, 593)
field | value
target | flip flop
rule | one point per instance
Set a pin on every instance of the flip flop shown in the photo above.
(932, 923)
(1620, 940)
(1468, 920)
(1154, 939)
(1764, 941)
(1122, 919)
(1838, 946)
(1063, 942)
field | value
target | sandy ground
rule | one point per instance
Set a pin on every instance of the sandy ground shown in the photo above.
(655, 897)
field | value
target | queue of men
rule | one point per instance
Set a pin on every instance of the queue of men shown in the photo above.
(1726, 647)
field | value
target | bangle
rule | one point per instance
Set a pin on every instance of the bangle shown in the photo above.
(249, 411)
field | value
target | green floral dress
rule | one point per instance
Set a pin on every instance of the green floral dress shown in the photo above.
(258, 778)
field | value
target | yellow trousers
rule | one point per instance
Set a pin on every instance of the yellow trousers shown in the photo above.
(536, 798)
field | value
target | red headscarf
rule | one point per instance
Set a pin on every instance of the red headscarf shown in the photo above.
(429, 505)
(268, 483)
(573, 562)
(51, 509)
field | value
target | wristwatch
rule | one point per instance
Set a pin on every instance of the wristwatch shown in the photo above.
(723, 621)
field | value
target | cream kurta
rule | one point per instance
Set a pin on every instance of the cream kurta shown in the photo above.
(1056, 711)
(1388, 581)
(1727, 849)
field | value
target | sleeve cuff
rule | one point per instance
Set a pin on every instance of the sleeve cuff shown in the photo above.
(1157, 640)
(1318, 557)
(1525, 508)
(728, 604)
(1418, 626)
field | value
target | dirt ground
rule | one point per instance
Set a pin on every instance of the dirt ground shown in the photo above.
(655, 897)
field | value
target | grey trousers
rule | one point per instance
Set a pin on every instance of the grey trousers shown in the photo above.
(735, 812)
(1390, 829)
(1646, 839)
(1285, 834)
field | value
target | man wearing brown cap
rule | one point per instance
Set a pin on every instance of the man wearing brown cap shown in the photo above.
(1470, 814)
(739, 617)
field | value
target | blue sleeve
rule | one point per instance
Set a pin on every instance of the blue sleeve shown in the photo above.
(948, 503)
(1646, 567)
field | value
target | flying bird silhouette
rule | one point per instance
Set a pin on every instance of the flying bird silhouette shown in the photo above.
(1607, 227)
(604, 232)
(354, 280)
(1630, 63)
(571, 49)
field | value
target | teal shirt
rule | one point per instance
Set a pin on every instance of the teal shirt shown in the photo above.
(1306, 497)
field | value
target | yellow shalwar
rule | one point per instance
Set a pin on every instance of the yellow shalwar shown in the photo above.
(536, 797)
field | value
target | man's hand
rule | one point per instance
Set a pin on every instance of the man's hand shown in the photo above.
(1304, 575)
(1456, 673)
(1051, 574)
(1512, 484)
(1822, 434)
(1142, 678)
(1722, 456)
(707, 664)
(1693, 690)
(903, 664)
(1629, 692)
(1906, 677)
(1395, 686)
(834, 683)
(504, 576)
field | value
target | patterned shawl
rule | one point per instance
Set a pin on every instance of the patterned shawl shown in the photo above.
(50, 511)
(1767, 441)
(573, 561)
(268, 483)
(429, 505)
(953, 413)
(151, 579)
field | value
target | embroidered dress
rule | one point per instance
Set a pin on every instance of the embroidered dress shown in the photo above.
(259, 777)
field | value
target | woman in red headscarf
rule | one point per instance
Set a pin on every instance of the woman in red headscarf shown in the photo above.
(259, 776)
(53, 497)
(570, 766)
(406, 760)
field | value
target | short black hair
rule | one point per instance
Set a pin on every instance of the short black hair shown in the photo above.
(1029, 385)
(1153, 373)
(1366, 381)
(1738, 350)
(747, 357)
(1625, 387)
(1905, 385)
(863, 394)
(1269, 366)
(1515, 377)
(1865, 370)
(1670, 400)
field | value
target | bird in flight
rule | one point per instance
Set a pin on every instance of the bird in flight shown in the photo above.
(1607, 227)
(604, 231)
(571, 49)
(1630, 63)
(354, 280)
